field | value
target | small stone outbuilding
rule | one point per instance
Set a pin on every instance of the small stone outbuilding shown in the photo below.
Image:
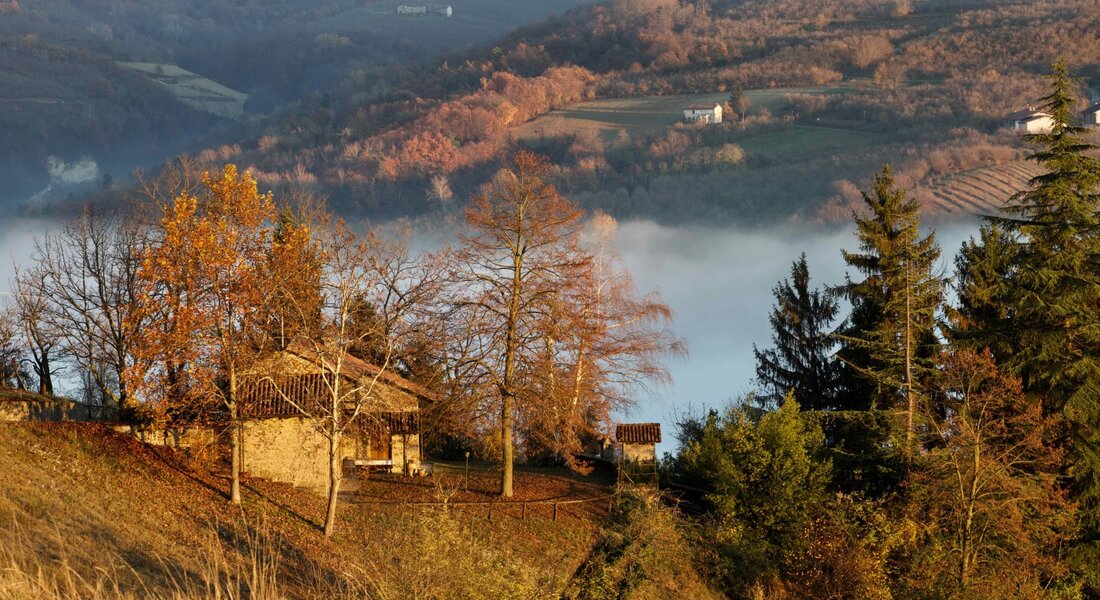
(282, 443)
(636, 454)
(638, 442)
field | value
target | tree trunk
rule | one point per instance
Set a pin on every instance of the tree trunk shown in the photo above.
(335, 474)
(235, 426)
(235, 466)
(910, 432)
(45, 377)
(506, 443)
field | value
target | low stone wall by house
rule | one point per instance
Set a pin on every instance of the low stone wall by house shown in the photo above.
(172, 437)
(31, 407)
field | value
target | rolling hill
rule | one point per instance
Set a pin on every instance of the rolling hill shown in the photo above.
(89, 512)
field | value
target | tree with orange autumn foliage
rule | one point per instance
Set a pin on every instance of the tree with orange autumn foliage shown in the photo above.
(203, 285)
(522, 250)
(993, 516)
(602, 343)
(552, 333)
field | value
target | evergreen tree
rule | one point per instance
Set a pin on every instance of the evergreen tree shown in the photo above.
(801, 361)
(764, 479)
(890, 339)
(983, 319)
(1054, 292)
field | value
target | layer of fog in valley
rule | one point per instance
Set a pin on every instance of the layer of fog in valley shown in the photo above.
(717, 280)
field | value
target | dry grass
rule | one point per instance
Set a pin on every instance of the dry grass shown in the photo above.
(94, 514)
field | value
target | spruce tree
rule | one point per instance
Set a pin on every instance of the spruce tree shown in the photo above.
(801, 361)
(1054, 292)
(982, 318)
(890, 339)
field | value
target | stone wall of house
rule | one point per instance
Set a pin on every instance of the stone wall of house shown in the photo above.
(289, 450)
(639, 452)
(404, 448)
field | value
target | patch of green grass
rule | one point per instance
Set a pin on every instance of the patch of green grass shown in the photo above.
(647, 114)
(797, 140)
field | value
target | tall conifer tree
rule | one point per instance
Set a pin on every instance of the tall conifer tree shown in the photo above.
(982, 318)
(890, 338)
(1054, 292)
(801, 361)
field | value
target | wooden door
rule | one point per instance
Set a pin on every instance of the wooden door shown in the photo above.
(379, 447)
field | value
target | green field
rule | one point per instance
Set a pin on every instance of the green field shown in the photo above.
(646, 114)
(194, 90)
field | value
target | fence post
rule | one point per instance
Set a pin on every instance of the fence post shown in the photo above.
(490, 511)
(555, 511)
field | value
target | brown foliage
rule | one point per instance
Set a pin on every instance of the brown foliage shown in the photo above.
(993, 516)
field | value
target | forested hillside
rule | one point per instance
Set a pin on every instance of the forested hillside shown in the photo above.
(920, 84)
(62, 95)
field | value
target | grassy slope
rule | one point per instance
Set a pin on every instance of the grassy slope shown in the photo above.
(645, 114)
(102, 501)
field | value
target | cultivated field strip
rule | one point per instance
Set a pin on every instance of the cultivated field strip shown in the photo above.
(983, 190)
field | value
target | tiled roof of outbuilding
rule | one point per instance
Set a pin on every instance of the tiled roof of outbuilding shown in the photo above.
(638, 433)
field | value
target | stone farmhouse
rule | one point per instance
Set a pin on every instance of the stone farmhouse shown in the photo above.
(703, 113)
(1029, 120)
(281, 443)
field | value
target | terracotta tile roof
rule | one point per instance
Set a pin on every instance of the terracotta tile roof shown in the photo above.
(700, 106)
(638, 433)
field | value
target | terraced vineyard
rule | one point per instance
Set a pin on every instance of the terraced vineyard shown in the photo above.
(976, 191)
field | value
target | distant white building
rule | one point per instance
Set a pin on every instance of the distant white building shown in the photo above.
(1029, 121)
(703, 113)
(424, 9)
(1090, 117)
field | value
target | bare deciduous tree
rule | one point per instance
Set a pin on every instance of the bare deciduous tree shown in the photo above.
(32, 307)
(377, 272)
(89, 276)
(521, 252)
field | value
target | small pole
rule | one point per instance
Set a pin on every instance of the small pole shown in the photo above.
(555, 511)
(467, 484)
(490, 511)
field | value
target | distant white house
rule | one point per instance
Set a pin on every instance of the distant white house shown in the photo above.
(1029, 121)
(1090, 117)
(703, 113)
(424, 9)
